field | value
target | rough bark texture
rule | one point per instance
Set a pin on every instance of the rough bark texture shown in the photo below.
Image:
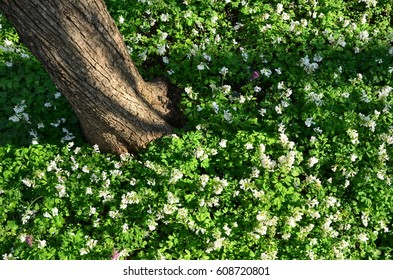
(80, 46)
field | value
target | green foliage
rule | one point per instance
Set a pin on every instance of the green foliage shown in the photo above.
(286, 153)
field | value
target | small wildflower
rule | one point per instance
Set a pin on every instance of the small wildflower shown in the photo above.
(164, 17)
(364, 36)
(309, 122)
(255, 75)
(363, 237)
(224, 71)
(115, 255)
(41, 244)
(223, 143)
(83, 251)
(249, 146)
(312, 161)
(29, 240)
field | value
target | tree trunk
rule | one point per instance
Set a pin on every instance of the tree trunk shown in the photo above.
(81, 48)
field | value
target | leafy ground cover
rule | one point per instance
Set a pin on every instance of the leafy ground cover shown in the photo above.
(286, 153)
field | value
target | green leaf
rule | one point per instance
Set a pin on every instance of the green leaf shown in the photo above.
(12, 225)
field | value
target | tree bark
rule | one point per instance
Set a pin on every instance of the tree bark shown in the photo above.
(81, 48)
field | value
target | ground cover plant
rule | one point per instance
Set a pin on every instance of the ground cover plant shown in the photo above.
(286, 153)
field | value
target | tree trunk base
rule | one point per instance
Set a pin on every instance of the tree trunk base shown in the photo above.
(81, 48)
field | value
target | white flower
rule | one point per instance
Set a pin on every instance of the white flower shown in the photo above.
(223, 143)
(121, 19)
(309, 122)
(226, 89)
(14, 118)
(96, 223)
(384, 92)
(152, 225)
(257, 89)
(266, 72)
(331, 201)
(125, 228)
(312, 203)
(28, 182)
(369, 3)
(286, 236)
(169, 209)
(85, 169)
(41, 244)
(291, 222)
(280, 8)
(317, 58)
(199, 152)
(308, 66)
(92, 211)
(61, 190)
(278, 109)
(267, 163)
(201, 66)
(83, 251)
(364, 36)
(164, 17)
(244, 55)
(353, 135)
(255, 172)
(20, 108)
(46, 215)
(363, 237)
(218, 243)
(207, 57)
(7, 43)
(249, 146)
(55, 211)
(285, 16)
(227, 229)
(215, 107)
(218, 189)
(129, 198)
(91, 243)
(341, 42)
(114, 214)
(227, 116)
(237, 26)
(265, 16)
(365, 219)
(161, 49)
(96, 149)
(204, 179)
(224, 71)
(175, 176)
(262, 112)
(312, 161)
(314, 242)
(188, 90)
